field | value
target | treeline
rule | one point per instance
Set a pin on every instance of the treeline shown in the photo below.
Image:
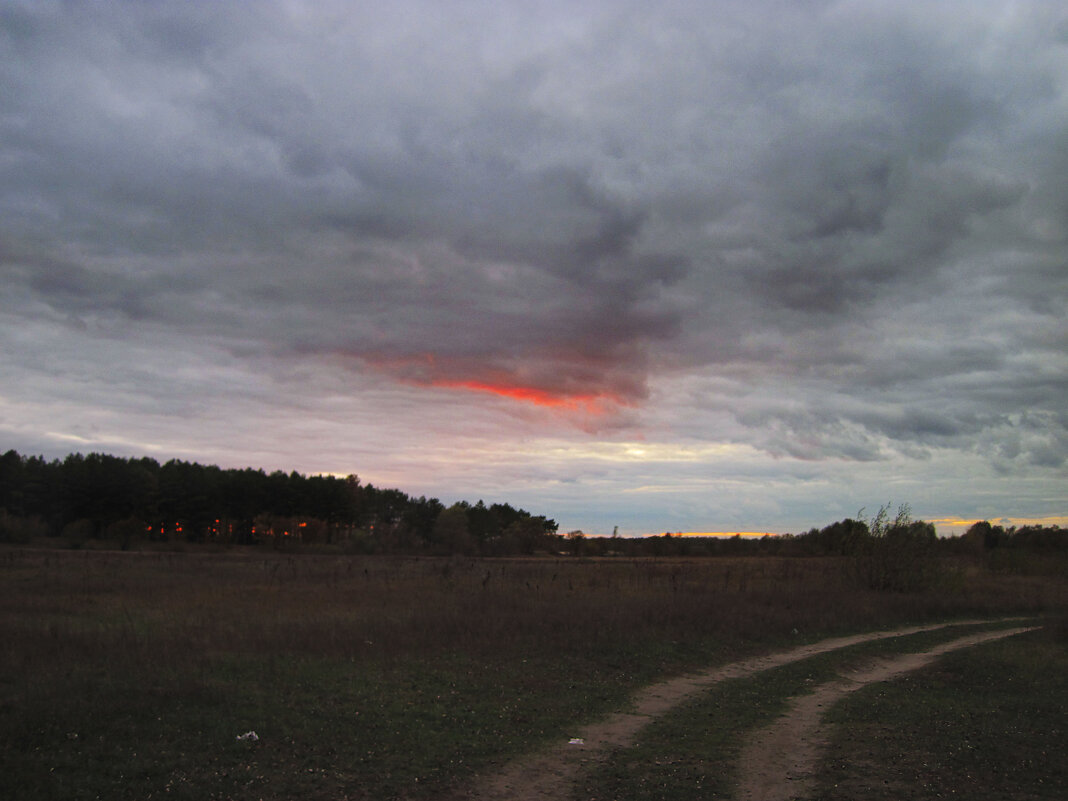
(847, 537)
(125, 500)
(885, 554)
(852, 537)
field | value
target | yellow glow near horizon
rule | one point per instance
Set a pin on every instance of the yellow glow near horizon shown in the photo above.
(636, 451)
(961, 525)
(724, 534)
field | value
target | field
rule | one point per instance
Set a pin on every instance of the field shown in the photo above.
(131, 675)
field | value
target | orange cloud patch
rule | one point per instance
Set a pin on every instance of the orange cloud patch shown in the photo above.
(427, 370)
(538, 397)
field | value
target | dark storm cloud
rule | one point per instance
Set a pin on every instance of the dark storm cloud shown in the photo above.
(860, 207)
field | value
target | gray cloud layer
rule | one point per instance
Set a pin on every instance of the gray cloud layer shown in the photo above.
(828, 230)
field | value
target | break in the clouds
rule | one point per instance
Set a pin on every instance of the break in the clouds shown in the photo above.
(703, 265)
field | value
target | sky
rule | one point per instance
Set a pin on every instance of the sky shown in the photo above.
(685, 266)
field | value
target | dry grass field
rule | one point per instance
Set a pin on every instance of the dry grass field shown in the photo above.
(131, 675)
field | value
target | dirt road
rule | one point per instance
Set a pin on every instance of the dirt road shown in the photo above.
(552, 773)
(779, 762)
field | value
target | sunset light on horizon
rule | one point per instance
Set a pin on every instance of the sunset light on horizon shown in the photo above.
(724, 534)
(635, 267)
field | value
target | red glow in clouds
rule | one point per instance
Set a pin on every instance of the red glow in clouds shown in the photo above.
(539, 397)
(426, 370)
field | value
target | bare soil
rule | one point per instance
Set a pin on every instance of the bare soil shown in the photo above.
(552, 773)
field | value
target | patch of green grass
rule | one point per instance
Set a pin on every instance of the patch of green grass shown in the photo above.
(983, 722)
(327, 728)
(144, 720)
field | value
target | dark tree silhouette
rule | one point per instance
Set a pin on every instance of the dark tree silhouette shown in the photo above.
(98, 496)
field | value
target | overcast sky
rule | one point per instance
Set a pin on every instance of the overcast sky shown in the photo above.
(673, 267)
